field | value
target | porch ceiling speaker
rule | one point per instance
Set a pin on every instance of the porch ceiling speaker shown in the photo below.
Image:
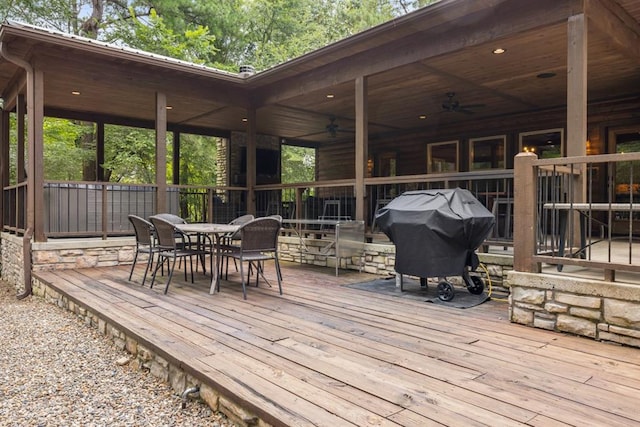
(246, 70)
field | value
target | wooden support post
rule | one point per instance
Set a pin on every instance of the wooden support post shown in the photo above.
(161, 152)
(100, 151)
(525, 213)
(577, 97)
(21, 116)
(176, 158)
(577, 107)
(251, 160)
(4, 161)
(362, 141)
(299, 213)
(35, 176)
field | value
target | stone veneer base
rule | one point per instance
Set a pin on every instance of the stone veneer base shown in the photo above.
(146, 356)
(604, 311)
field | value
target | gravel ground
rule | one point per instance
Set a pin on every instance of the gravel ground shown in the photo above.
(56, 371)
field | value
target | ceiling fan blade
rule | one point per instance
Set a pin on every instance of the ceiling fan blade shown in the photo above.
(473, 106)
(464, 111)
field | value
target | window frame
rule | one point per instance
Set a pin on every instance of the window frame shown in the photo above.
(472, 141)
(439, 144)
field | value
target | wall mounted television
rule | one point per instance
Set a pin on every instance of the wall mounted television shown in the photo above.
(267, 161)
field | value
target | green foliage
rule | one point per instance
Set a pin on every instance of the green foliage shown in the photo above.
(64, 149)
(197, 160)
(298, 164)
(129, 155)
(152, 34)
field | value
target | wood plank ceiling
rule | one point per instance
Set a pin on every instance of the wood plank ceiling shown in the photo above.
(454, 37)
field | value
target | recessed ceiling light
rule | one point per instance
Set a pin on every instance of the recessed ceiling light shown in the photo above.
(499, 50)
(546, 75)
(422, 116)
(75, 92)
(330, 96)
(169, 107)
(244, 119)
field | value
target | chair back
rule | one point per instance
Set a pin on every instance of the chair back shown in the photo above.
(171, 218)
(143, 229)
(241, 220)
(165, 232)
(260, 235)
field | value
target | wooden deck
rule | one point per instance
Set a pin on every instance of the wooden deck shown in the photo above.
(324, 354)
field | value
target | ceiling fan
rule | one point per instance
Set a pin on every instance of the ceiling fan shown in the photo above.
(452, 105)
(332, 127)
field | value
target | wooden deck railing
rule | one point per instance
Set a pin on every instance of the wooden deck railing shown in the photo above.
(83, 208)
(312, 200)
(579, 211)
(14, 208)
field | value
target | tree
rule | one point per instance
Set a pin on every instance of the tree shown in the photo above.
(222, 33)
(129, 155)
(298, 164)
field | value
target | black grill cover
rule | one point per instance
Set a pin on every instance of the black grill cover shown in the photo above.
(436, 232)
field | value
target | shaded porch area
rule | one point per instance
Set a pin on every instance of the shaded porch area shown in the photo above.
(326, 354)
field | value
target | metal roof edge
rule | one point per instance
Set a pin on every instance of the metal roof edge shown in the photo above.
(21, 29)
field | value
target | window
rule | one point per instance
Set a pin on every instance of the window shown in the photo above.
(488, 153)
(442, 157)
(546, 144)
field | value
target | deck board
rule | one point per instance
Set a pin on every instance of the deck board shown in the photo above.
(325, 354)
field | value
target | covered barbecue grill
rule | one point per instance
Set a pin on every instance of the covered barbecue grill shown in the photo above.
(436, 233)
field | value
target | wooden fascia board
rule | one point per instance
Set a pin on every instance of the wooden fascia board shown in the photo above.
(111, 51)
(508, 18)
(615, 22)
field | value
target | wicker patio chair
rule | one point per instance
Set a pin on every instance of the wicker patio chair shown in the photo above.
(172, 245)
(258, 243)
(145, 243)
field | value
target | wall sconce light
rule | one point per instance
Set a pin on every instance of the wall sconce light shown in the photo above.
(590, 148)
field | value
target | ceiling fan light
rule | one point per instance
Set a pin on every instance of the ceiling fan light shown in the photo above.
(498, 51)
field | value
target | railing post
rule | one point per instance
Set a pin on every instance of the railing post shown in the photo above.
(105, 211)
(525, 213)
(299, 191)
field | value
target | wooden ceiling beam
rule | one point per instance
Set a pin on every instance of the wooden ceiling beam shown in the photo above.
(126, 121)
(614, 21)
(505, 20)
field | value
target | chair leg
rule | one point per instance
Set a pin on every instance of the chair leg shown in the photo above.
(173, 266)
(244, 286)
(191, 265)
(135, 258)
(159, 265)
(148, 267)
(279, 275)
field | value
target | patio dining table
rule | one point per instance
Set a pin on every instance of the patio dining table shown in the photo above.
(216, 231)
